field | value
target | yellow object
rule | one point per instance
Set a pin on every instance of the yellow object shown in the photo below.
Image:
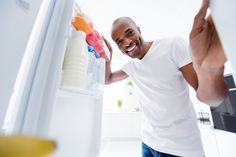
(25, 146)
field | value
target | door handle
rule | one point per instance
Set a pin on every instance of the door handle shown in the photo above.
(24, 4)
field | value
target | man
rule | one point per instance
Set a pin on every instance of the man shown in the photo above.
(161, 70)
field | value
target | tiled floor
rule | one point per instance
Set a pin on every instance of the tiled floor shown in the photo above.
(121, 148)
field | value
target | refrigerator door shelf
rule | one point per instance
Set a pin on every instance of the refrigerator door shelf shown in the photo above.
(81, 71)
(71, 94)
(91, 84)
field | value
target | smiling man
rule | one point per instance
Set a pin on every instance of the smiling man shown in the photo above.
(162, 70)
(128, 38)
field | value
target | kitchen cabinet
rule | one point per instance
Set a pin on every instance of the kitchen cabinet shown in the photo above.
(226, 142)
(209, 141)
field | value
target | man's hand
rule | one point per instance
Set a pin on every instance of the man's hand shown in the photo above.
(208, 59)
(108, 46)
(207, 51)
(111, 77)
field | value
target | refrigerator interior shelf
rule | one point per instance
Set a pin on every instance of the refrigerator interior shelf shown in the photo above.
(69, 93)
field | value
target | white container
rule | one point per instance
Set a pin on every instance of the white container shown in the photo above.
(74, 70)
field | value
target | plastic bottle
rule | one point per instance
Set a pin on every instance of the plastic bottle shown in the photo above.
(74, 70)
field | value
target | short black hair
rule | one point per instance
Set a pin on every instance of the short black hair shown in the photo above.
(124, 18)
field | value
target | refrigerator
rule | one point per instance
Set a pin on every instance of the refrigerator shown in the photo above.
(47, 100)
(35, 36)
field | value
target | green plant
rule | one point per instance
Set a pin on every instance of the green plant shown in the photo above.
(119, 103)
(130, 83)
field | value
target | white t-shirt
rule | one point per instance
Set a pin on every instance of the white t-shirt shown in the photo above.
(171, 123)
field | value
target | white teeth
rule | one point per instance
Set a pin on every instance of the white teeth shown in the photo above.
(131, 48)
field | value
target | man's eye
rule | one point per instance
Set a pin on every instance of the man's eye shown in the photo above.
(118, 42)
(130, 33)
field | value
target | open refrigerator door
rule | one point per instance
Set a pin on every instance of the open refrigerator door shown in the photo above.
(84, 61)
(77, 114)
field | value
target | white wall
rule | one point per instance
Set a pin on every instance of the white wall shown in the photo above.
(122, 125)
(156, 18)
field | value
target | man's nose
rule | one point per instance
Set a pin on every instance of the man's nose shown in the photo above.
(127, 41)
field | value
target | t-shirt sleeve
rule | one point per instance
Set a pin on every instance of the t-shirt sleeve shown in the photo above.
(180, 53)
(127, 68)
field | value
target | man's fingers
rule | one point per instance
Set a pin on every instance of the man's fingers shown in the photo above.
(199, 19)
(203, 10)
(215, 37)
(108, 44)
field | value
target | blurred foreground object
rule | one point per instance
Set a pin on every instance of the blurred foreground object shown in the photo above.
(25, 146)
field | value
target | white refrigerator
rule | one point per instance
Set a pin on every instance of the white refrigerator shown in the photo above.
(40, 98)
(34, 39)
